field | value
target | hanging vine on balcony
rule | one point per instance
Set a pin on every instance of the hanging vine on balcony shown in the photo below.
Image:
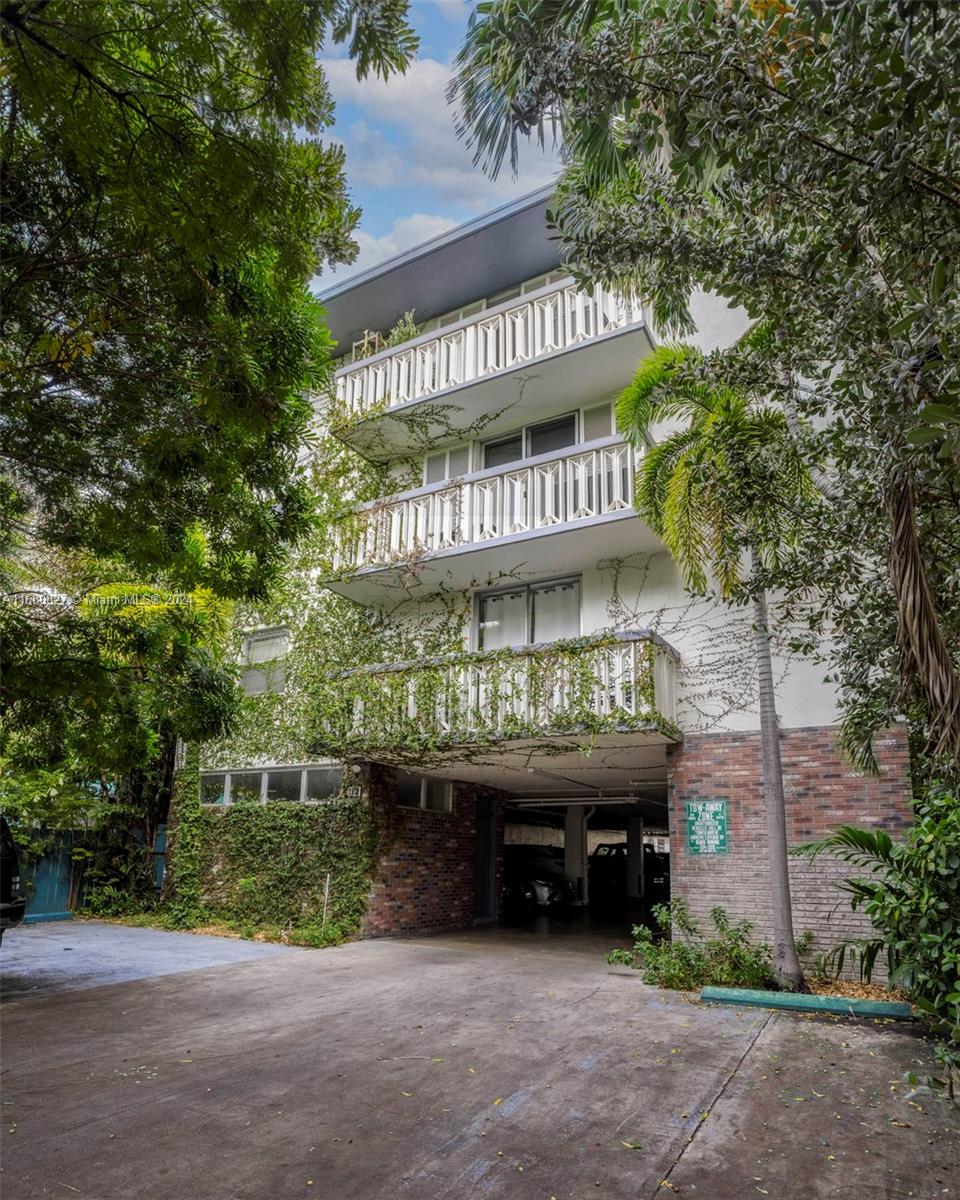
(473, 702)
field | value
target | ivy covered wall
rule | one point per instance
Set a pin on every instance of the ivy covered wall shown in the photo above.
(266, 866)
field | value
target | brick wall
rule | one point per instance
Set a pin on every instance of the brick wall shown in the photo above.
(821, 792)
(425, 876)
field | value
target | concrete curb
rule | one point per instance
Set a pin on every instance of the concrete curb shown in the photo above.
(788, 1001)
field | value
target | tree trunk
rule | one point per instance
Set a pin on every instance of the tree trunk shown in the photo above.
(786, 964)
(924, 653)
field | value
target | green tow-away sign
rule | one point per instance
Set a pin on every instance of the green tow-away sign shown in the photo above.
(707, 827)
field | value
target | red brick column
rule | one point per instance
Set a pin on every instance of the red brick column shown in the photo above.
(424, 877)
(822, 791)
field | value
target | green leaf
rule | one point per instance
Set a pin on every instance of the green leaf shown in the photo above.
(923, 435)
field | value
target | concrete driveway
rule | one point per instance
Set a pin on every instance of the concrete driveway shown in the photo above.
(488, 1065)
(63, 955)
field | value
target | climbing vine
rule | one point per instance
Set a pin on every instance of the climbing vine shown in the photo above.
(413, 711)
(302, 871)
(182, 884)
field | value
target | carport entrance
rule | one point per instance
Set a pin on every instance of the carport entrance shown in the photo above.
(599, 863)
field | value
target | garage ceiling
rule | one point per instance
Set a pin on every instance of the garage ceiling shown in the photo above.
(618, 765)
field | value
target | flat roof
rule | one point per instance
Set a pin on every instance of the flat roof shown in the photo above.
(479, 258)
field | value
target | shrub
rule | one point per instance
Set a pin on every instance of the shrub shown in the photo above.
(679, 956)
(108, 900)
(910, 892)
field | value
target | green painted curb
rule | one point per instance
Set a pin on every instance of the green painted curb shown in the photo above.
(753, 998)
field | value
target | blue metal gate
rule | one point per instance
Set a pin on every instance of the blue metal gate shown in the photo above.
(46, 884)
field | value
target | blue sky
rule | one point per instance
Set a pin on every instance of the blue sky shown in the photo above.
(406, 167)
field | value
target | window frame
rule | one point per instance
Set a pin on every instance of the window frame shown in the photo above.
(576, 415)
(529, 589)
(447, 476)
(447, 784)
(269, 667)
(264, 773)
(476, 449)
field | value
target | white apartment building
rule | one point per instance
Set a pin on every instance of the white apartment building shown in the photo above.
(591, 691)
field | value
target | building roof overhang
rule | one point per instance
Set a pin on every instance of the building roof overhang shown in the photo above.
(479, 258)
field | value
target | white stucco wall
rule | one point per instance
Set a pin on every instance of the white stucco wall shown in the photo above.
(718, 325)
(717, 690)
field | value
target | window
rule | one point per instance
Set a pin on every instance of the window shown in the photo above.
(213, 789)
(246, 785)
(417, 791)
(262, 650)
(540, 612)
(551, 435)
(530, 441)
(409, 790)
(370, 345)
(503, 451)
(597, 422)
(284, 785)
(503, 297)
(436, 795)
(541, 281)
(503, 620)
(446, 464)
(323, 782)
(314, 783)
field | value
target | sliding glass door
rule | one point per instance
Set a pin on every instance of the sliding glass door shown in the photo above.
(541, 612)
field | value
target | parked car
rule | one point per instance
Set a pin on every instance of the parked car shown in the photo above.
(608, 875)
(12, 904)
(607, 870)
(656, 874)
(533, 877)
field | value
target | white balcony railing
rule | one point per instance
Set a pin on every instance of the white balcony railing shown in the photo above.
(549, 490)
(607, 683)
(496, 339)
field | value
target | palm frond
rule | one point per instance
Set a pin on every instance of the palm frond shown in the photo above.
(724, 546)
(653, 477)
(649, 396)
(856, 745)
(872, 849)
(683, 529)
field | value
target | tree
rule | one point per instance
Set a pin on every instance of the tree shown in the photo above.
(723, 485)
(910, 892)
(100, 677)
(167, 196)
(801, 161)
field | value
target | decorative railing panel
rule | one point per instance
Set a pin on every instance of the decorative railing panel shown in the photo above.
(495, 340)
(608, 683)
(550, 490)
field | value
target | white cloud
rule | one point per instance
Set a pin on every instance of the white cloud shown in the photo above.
(406, 233)
(456, 11)
(426, 152)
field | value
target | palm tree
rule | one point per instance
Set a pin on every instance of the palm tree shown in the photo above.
(719, 490)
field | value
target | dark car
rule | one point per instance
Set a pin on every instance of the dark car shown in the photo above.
(608, 875)
(533, 877)
(656, 876)
(12, 904)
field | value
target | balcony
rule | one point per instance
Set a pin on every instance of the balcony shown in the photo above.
(442, 713)
(480, 366)
(466, 528)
